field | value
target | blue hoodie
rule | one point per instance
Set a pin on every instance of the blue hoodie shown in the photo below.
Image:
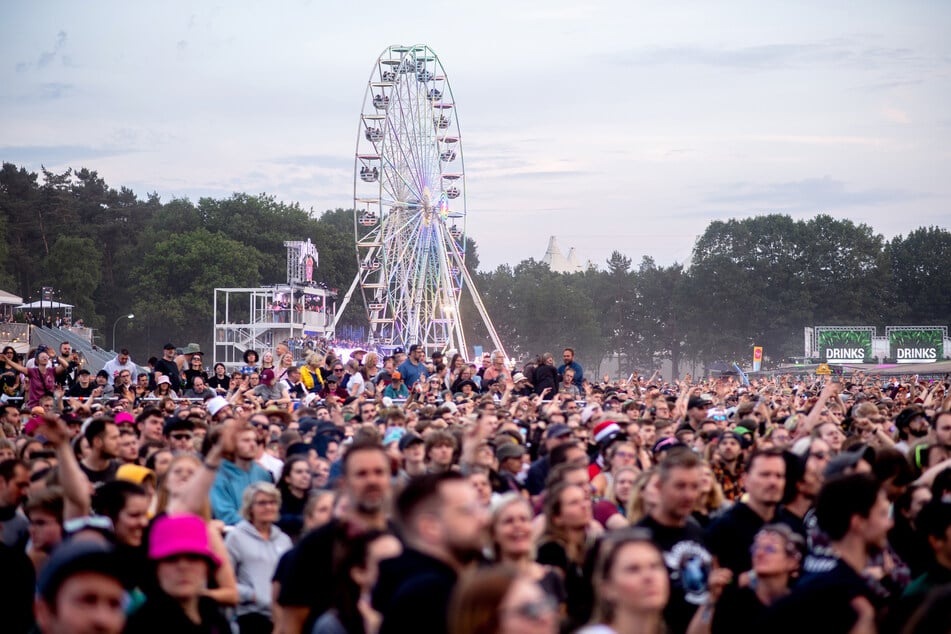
(229, 487)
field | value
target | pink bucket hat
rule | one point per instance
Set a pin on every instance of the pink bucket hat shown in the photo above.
(173, 535)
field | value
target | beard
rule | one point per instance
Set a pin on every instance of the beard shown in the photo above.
(370, 506)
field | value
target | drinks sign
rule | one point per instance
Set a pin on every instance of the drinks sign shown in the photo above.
(845, 346)
(916, 345)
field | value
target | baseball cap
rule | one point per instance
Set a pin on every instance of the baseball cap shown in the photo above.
(396, 376)
(697, 401)
(74, 557)
(409, 439)
(848, 459)
(509, 450)
(558, 431)
(738, 437)
(168, 346)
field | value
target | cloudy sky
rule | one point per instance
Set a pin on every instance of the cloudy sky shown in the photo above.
(611, 125)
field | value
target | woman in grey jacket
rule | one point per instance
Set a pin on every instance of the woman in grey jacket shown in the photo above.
(255, 546)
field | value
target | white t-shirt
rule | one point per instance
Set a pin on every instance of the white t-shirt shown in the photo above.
(272, 464)
(356, 385)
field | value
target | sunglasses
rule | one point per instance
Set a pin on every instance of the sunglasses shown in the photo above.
(181, 436)
(534, 610)
(769, 549)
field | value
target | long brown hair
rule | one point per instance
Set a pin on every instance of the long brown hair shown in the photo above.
(555, 533)
(474, 606)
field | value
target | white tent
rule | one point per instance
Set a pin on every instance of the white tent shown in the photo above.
(9, 298)
(40, 305)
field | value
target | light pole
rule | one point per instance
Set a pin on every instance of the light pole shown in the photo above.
(129, 316)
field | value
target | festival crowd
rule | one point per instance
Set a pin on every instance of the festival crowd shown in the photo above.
(396, 493)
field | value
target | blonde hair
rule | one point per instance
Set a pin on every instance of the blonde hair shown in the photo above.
(635, 503)
(503, 502)
(372, 360)
(712, 500)
(247, 500)
(609, 494)
(163, 496)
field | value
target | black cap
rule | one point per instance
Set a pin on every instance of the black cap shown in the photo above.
(849, 459)
(74, 557)
(398, 351)
(298, 449)
(409, 439)
(178, 424)
(169, 346)
(697, 401)
(558, 431)
(307, 423)
(738, 437)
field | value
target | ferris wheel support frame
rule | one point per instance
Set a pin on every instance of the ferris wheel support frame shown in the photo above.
(476, 299)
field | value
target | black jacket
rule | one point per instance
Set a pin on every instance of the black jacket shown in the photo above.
(413, 594)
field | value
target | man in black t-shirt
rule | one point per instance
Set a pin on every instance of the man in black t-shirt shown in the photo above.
(307, 585)
(71, 359)
(680, 537)
(832, 595)
(168, 366)
(443, 526)
(83, 386)
(100, 465)
(730, 536)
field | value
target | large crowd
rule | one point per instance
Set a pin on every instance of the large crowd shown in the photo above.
(404, 493)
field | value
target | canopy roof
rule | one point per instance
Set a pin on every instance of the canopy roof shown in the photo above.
(9, 298)
(43, 304)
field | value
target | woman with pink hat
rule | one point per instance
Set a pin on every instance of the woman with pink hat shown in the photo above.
(184, 562)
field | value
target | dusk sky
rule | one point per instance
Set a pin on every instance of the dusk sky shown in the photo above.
(612, 125)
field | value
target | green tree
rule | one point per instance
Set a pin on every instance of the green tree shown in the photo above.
(748, 278)
(175, 282)
(73, 267)
(918, 264)
(663, 312)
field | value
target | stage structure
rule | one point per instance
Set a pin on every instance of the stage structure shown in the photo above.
(410, 213)
(260, 318)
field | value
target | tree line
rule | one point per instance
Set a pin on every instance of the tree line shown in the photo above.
(753, 281)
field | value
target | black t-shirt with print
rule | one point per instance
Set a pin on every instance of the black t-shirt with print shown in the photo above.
(688, 562)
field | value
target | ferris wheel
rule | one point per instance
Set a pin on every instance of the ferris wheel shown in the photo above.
(410, 204)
